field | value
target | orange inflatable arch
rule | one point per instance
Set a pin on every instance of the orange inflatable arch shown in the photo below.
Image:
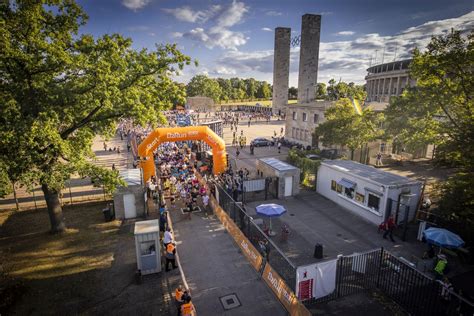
(176, 134)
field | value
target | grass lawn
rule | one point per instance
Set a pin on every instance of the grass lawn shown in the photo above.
(89, 269)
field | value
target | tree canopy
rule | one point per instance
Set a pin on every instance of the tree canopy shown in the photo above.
(59, 89)
(344, 127)
(221, 89)
(439, 110)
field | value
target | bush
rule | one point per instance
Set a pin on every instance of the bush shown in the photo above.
(308, 167)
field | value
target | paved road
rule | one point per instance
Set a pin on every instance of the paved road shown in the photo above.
(214, 267)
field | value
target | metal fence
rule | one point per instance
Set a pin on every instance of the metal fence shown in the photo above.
(415, 292)
(260, 189)
(268, 249)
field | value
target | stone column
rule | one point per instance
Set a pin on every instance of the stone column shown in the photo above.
(397, 93)
(309, 58)
(281, 69)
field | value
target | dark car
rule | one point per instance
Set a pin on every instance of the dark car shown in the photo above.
(261, 142)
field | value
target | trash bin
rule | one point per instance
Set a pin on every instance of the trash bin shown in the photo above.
(107, 214)
(318, 251)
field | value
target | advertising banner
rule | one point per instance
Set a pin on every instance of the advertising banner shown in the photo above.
(316, 280)
(283, 292)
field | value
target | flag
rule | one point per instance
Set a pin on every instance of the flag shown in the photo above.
(357, 106)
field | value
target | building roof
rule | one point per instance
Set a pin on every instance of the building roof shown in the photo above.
(131, 176)
(145, 227)
(318, 104)
(368, 172)
(277, 164)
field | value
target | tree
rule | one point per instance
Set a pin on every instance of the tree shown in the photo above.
(344, 127)
(292, 93)
(321, 91)
(202, 85)
(344, 90)
(439, 110)
(264, 91)
(60, 89)
(251, 88)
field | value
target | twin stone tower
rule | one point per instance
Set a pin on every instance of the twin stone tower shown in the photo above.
(308, 68)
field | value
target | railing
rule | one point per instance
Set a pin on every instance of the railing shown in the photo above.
(269, 250)
(415, 292)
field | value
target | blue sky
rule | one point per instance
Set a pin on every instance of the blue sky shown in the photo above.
(235, 38)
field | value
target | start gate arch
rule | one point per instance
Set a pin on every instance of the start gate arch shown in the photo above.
(176, 134)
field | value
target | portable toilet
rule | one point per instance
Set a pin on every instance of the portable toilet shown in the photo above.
(147, 245)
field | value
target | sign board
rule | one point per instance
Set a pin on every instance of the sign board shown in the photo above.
(283, 292)
(316, 280)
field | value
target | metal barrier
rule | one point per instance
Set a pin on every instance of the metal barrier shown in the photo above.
(268, 249)
(415, 292)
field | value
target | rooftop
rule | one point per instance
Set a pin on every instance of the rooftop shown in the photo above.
(131, 176)
(277, 164)
(145, 227)
(368, 172)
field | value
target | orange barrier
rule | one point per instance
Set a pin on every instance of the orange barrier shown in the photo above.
(286, 296)
(176, 134)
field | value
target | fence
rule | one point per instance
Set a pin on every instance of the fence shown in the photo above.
(260, 189)
(236, 211)
(415, 292)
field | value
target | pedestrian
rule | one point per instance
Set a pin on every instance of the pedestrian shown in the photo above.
(170, 256)
(281, 131)
(389, 226)
(163, 223)
(187, 308)
(279, 147)
(237, 153)
(440, 266)
(178, 298)
(205, 202)
(113, 167)
(105, 146)
(447, 289)
(249, 123)
(168, 237)
(378, 159)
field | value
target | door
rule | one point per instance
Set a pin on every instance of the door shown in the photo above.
(129, 206)
(288, 186)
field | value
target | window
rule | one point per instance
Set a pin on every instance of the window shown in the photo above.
(349, 192)
(295, 116)
(316, 118)
(305, 117)
(373, 202)
(359, 198)
(339, 188)
(333, 185)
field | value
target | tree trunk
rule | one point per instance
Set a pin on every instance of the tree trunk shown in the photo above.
(352, 154)
(55, 210)
(15, 197)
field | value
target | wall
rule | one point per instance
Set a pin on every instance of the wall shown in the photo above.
(200, 103)
(139, 200)
(281, 69)
(323, 187)
(301, 131)
(309, 57)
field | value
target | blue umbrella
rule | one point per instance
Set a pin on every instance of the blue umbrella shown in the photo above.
(443, 238)
(270, 210)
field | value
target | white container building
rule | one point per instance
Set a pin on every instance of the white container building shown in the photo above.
(367, 191)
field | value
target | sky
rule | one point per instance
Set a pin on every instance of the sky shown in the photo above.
(235, 38)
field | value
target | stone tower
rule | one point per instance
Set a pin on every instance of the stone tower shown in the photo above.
(309, 57)
(281, 69)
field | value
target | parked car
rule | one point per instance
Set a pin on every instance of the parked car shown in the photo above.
(262, 142)
(313, 157)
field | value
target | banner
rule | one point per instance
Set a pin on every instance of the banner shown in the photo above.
(283, 292)
(316, 280)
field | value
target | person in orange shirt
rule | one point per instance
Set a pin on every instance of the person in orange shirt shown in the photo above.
(170, 256)
(187, 308)
(178, 298)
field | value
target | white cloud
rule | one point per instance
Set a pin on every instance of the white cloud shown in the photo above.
(273, 13)
(135, 4)
(349, 59)
(267, 29)
(176, 35)
(344, 33)
(220, 19)
(187, 14)
(223, 71)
